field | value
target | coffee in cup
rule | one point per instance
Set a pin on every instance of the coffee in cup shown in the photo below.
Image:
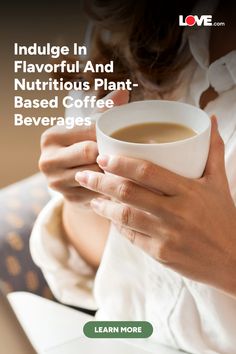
(153, 133)
(186, 156)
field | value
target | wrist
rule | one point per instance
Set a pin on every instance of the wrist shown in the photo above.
(229, 282)
(75, 205)
(226, 275)
(85, 231)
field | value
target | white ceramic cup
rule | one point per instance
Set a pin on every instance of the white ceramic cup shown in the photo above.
(185, 157)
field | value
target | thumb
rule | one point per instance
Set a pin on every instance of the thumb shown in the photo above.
(216, 162)
(119, 97)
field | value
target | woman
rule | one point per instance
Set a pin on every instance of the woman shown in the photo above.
(175, 265)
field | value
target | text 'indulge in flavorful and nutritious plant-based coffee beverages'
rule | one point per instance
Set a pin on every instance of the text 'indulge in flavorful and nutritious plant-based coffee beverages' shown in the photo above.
(153, 133)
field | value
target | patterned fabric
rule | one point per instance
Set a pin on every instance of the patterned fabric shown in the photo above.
(19, 207)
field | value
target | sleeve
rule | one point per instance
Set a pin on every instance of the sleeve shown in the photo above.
(69, 277)
(231, 164)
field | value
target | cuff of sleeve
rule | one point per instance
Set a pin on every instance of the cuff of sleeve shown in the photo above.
(70, 278)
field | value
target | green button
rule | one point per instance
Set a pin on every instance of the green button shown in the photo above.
(118, 329)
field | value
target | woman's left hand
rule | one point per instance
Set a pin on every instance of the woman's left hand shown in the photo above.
(188, 225)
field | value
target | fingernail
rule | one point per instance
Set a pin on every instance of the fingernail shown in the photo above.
(103, 160)
(110, 95)
(82, 177)
(96, 203)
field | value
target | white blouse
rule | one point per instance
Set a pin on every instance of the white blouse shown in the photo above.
(130, 285)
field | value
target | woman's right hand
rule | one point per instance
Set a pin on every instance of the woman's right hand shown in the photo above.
(64, 152)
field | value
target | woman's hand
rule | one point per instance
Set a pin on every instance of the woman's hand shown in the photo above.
(67, 151)
(188, 225)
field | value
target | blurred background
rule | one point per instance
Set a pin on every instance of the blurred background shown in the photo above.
(52, 22)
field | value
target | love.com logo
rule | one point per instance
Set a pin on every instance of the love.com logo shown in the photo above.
(203, 20)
